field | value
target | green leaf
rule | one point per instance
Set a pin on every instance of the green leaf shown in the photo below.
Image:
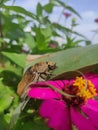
(18, 59)
(11, 80)
(15, 115)
(15, 34)
(66, 30)
(48, 7)
(11, 68)
(3, 123)
(60, 3)
(61, 28)
(37, 124)
(47, 32)
(13, 48)
(12, 30)
(80, 58)
(71, 42)
(5, 97)
(1, 78)
(30, 40)
(2, 2)
(19, 9)
(39, 9)
(73, 11)
(40, 39)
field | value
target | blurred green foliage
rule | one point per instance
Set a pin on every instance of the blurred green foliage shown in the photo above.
(40, 39)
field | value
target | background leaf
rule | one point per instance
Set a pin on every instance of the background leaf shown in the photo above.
(72, 60)
(39, 9)
(3, 123)
(18, 59)
(5, 97)
(19, 9)
(48, 7)
(37, 124)
(62, 4)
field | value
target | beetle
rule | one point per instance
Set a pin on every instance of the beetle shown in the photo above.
(39, 72)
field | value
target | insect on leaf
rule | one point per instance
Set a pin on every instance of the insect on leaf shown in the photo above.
(81, 58)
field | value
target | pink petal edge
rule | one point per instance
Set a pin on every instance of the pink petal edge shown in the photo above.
(91, 110)
(81, 121)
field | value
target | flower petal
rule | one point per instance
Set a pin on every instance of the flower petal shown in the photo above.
(42, 91)
(59, 83)
(91, 110)
(81, 121)
(57, 114)
(93, 77)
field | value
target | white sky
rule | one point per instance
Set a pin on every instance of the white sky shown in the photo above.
(88, 9)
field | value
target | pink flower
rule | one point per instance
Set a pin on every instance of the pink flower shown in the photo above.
(53, 45)
(66, 14)
(78, 107)
(96, 20)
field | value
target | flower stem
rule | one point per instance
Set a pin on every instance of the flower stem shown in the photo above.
(60, 91)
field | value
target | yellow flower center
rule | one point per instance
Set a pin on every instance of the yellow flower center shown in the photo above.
(85, 88)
